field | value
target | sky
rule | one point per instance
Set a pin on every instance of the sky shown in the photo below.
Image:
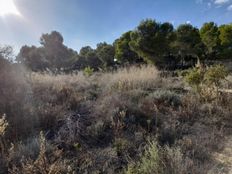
(88, 22)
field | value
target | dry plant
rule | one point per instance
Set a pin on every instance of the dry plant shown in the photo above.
(44, 164)
(3, 126)
(131, 78)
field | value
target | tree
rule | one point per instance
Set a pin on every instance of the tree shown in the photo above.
(6, 53)
(33, 57)
(226, 40)
(57, 54)
(105, 53)
(188, 42)
(84, 51)
(88, 58)
(53, 54)
(151, 40)
(123, 52)
(209, 33)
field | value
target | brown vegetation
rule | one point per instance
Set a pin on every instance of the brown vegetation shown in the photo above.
(131, 120)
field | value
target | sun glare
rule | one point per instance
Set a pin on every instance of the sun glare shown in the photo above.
(8, 7)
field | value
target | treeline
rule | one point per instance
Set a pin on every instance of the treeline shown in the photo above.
(150, 42)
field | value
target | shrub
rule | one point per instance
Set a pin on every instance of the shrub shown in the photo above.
(167, 97)
(3, 126)
(205, 81)
(215, 74)
(161, 160)
(195, 78)
(121, 145)
(88, 71)
(43, 164)
(150, 162)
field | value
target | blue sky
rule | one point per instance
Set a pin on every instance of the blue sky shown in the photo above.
(88, 22)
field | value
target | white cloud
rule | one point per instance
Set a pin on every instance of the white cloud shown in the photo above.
(188, 22)
(220, 2)
(229, 8)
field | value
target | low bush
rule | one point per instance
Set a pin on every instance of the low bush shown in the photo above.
(206, 82)
(44, 163)
(88, 71)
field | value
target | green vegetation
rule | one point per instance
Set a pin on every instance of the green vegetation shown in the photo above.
(151, 42)
(195, 78)
(207, 79)
(150, 162)
(88, 71)
(119, 108)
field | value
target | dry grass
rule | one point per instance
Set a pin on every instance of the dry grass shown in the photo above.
(143, 77)
(101, 121)
(57, 80)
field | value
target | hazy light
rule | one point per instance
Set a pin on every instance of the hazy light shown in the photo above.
(8, 7)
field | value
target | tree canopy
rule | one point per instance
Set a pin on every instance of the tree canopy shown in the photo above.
(210, 37)
(150, 42)
(123, 51)
(52, 54)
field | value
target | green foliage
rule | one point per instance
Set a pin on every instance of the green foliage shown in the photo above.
(105, 53)
(226, 35)
(195, 77)
(209, 33)
(151, 40)
(150, 162)
(53, 54)
(215, 74)
(188, 41)
(226, 41)
(88, 71)
(182, 73)
(88, 57)
(123, 52)
(206, 81)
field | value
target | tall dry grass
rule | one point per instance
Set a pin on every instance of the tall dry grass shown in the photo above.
(131, 78)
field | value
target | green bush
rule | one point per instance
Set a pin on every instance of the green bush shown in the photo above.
(205, 81)
(150, 162)
(215, 74)
(88, 71)
(195, 78)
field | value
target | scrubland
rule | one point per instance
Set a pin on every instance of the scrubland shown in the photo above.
(131, 120)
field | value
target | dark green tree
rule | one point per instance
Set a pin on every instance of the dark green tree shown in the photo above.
(123, 52)
(209, 33)
(188, 42)
(151, 41)
(33, 57)
(88, 58)
(53, 54)
(106, 53)
(57, 54)
(226, 40)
